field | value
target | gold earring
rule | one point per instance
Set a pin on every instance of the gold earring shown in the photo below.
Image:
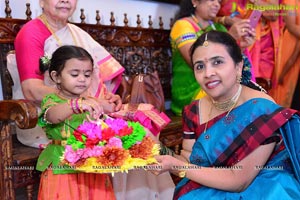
(238, 78)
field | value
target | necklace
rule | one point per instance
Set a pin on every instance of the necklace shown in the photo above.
(229, 104)
(45, 21)
(206, 124)
(200, 25)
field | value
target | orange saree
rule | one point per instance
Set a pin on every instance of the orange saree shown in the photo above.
(283, 93)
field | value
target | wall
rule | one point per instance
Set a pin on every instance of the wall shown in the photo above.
(119, 7)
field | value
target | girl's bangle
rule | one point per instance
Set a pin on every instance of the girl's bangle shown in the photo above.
(45, 116)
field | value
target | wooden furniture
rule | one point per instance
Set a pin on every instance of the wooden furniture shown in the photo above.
(17, 161)
(131, 46)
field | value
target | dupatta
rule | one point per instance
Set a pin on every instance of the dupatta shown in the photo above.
(107, 70)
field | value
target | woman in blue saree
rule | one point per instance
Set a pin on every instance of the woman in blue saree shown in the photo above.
(238, 143)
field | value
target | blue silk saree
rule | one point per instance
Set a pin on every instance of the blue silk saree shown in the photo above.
(231, 138)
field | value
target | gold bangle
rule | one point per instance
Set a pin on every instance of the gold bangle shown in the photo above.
(181, 174)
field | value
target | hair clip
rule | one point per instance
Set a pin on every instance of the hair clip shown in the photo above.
(205, 43)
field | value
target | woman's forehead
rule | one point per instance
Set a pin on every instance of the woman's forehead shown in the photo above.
(210, 49)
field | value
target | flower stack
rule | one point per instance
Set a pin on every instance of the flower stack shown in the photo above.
(109, 146)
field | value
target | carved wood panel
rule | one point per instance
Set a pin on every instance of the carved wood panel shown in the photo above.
(137, 49)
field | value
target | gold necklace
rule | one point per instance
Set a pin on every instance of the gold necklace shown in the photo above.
(230, 103)
(45, 21)
(206, 124)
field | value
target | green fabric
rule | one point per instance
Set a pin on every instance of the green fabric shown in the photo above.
(184, 84)
(51, 155)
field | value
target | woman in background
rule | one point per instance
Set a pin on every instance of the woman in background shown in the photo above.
(194, 18)
(264, 51)
(286, 75)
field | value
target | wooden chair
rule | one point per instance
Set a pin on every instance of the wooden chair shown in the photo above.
(17, 168)
(17, 161)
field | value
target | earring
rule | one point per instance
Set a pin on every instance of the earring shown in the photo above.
(194, 5)
(238, 78)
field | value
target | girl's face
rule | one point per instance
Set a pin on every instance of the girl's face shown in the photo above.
(58, 10)
(75, 78)
(215, 71)
(207, 9)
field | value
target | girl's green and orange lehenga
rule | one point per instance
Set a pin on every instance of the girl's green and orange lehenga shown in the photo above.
(61, 182)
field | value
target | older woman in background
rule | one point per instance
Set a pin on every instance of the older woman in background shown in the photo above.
(42, 36)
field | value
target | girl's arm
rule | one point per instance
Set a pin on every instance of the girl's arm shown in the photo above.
(60, 112)
(234, 179)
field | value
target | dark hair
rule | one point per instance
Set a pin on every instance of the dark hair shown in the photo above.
(61, 55)
(185, 10)
(223, 38)
(233, 50)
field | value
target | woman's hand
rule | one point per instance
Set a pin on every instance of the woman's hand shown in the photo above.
(168, 163)
(229, 21)
(241, 29)
(114, 99)
(248, 40)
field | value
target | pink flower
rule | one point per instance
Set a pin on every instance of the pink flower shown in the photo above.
(72, 156)
(115, 142)
(91, 130)
(116, 124)
(92, 152)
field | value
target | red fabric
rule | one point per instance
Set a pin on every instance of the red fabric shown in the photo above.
(29, 46)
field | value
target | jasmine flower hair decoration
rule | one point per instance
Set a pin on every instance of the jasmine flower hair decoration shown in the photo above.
(46, 60)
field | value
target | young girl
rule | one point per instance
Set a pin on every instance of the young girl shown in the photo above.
(71, 69)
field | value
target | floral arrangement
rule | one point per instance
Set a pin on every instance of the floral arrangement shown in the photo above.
(109, 146)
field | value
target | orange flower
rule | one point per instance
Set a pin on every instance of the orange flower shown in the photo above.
(113, 156)
(142, 150)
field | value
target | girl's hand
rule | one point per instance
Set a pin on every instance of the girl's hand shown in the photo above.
(92, 106)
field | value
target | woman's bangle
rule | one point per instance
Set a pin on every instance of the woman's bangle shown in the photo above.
(182, 174)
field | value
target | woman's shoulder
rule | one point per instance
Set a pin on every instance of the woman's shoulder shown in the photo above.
(182, 25)
(33, 25)
(186, 21)
(191, 108)
(29, 31)
(250, 93)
